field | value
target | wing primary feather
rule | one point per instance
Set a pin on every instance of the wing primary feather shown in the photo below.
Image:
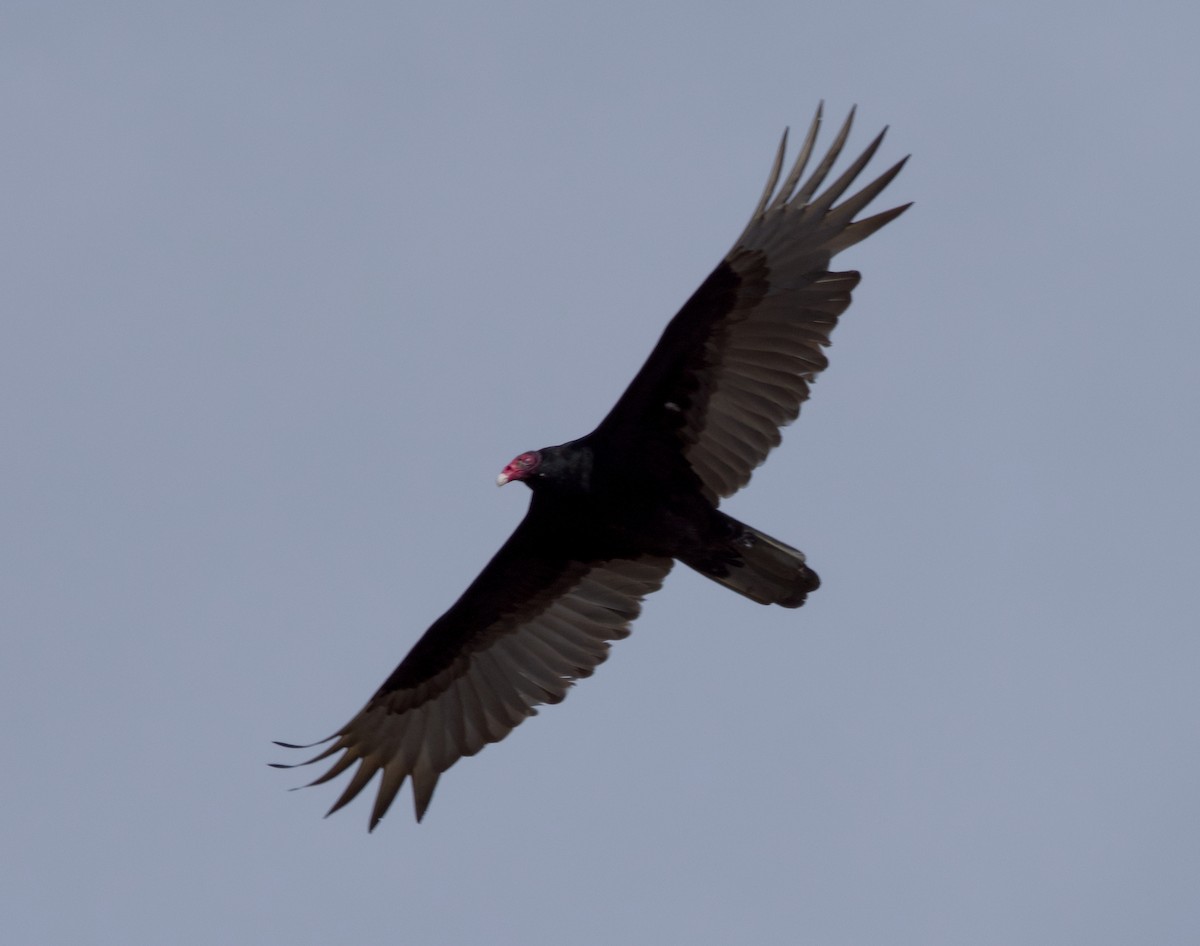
(389, 786)
(423, 783)
(338, 766)
(325, 754)
(838, 187)
(437, 749)
(801, 162)
(481, 700)
(366, 771)
(861, 229)
(403, 759)
(804, 195)
(772, 178)
(844, 212)
(298, 745)
(411, 737)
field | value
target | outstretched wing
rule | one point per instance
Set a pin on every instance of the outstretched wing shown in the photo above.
(527, 628)
(735, 363)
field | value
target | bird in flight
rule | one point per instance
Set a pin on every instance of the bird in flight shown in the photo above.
(611, 512)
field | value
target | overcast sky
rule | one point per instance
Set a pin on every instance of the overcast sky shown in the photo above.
(286, 285)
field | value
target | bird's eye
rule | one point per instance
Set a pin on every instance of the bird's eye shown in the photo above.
(527, 461)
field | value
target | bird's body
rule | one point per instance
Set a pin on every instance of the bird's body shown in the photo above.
(613, 510)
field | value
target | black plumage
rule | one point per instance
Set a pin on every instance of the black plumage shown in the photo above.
(612, 511)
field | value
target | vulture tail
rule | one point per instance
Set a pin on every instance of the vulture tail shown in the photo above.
(761, 568)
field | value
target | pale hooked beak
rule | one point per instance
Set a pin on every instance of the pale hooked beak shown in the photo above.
(518, 469)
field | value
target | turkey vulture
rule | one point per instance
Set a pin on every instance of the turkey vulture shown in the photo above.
(612, 511)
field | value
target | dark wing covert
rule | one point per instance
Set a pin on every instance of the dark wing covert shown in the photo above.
(526, 629)
(735, 364)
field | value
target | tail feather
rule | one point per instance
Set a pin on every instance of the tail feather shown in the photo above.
(761, 568)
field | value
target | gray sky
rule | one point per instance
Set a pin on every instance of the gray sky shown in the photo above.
(285, 285)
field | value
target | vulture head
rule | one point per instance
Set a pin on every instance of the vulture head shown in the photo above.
(522, 468)
(563, 470)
